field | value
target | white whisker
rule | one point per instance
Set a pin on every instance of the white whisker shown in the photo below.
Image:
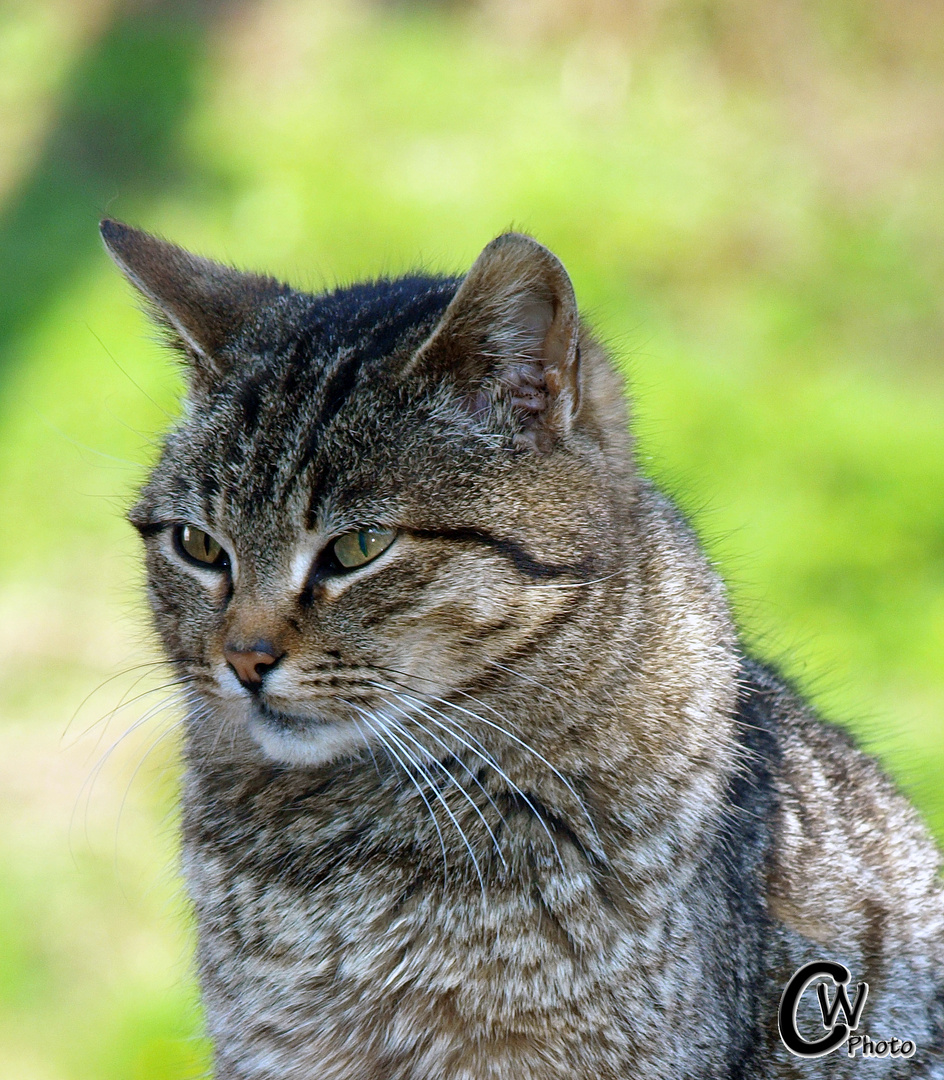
(579, 584)
(391, 751)
(101, 686)
(175, 726)
(370, 749)
(439, 795)
(517, 674)
(403, 731)
(88, 785)
(386, 722)
(448, 725)
(500, 728)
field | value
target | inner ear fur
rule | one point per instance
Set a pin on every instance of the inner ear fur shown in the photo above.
(509, 341)
(205, 306)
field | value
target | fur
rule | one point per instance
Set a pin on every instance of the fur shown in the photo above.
(510, 800)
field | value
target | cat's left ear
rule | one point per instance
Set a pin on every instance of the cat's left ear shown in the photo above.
(206, 307)
(509, 341)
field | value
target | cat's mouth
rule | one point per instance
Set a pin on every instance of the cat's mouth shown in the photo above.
(288, 723)
(293, 739)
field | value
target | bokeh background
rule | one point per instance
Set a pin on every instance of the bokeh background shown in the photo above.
(749, 195)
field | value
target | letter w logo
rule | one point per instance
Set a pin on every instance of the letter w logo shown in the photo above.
(838, 1031)
(852, 1013)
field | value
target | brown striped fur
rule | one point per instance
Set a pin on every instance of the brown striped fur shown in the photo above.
(511, 801)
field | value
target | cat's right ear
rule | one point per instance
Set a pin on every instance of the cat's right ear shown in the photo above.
(205, 307)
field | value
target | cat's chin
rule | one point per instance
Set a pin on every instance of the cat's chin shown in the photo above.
(304, 742)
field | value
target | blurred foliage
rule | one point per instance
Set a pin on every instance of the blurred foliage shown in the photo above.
(750, 199)
(119, 112)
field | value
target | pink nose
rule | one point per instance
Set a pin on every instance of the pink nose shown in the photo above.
(250, 665)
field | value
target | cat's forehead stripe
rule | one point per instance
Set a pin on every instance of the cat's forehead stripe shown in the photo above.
(270, 425)
(337, 387)
(253, 393)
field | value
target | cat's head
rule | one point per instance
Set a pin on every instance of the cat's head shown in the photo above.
(380, 505)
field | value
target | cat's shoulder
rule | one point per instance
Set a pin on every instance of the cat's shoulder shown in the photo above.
(849, 848)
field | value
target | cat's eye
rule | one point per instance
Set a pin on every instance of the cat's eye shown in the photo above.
(360, 546)
(199, 547)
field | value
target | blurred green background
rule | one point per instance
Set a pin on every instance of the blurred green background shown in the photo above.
(749, 195)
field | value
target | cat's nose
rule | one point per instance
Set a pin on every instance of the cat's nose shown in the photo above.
(251, 665)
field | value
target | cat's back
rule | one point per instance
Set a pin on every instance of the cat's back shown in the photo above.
(854, 878)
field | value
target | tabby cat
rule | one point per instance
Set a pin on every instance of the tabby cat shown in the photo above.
(480, 781)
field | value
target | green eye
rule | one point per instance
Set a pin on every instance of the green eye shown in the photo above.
(356, 548)
(199, 547)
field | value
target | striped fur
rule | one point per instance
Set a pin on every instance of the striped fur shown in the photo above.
(511, 801)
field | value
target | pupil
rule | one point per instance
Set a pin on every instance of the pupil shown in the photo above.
(362, 541)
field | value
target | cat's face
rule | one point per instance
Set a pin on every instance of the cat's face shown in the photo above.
(373, 499)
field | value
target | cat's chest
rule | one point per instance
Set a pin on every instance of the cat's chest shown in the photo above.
(350, 894)
(322, 929)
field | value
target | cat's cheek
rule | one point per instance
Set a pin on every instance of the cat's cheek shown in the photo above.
(178, 629)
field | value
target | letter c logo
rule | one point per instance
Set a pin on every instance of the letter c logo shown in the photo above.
(787, 1016)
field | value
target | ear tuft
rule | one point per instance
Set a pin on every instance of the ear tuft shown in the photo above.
(206, 307)
(112, 232)
(509, 341)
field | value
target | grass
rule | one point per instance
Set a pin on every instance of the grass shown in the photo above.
(751, 211)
